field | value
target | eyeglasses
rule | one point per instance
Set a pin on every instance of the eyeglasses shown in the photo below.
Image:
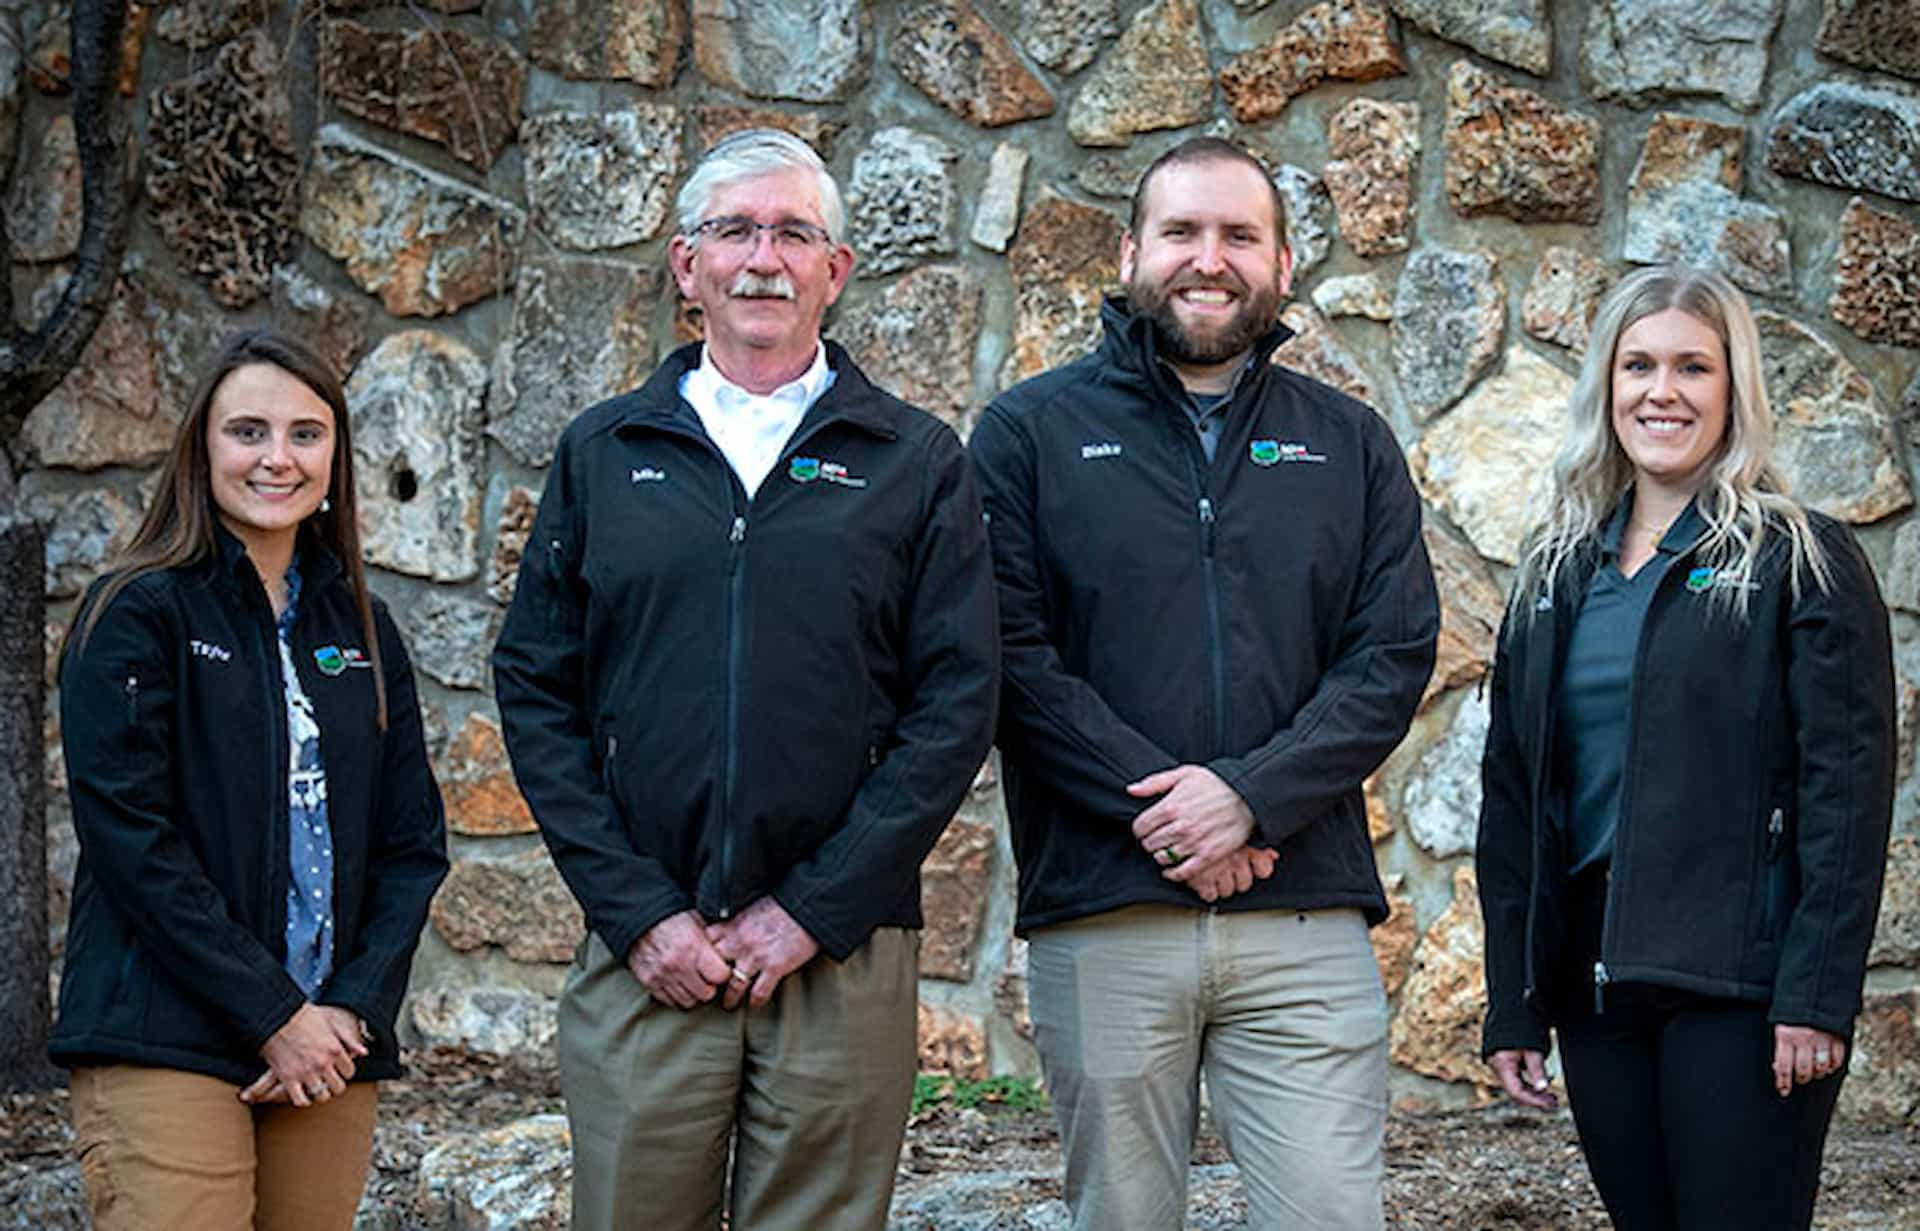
(734, 231)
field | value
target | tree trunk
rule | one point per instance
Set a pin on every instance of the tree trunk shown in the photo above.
(24, 1004)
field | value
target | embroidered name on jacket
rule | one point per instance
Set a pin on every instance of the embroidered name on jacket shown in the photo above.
(648, 474)
(206, 649)
(1098, 449)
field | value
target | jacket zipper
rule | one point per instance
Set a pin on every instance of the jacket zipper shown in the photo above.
(1216, 664)
(278, 852)
(1600, 981)
(736, 546)
(1776, 836)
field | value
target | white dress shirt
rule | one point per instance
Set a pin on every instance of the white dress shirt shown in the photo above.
(752, 429)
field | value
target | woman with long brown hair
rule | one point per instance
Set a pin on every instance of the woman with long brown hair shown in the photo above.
(259, 829)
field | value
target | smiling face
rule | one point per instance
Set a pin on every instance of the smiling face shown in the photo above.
(1671, 397)
(270, 442)
(1206, 263)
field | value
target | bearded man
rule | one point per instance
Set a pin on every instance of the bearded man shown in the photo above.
(1217, 618)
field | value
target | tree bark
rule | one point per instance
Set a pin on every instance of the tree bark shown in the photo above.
(25, 1010)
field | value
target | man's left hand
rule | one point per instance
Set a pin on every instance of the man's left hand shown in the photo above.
(1197, 820)
(764, 945)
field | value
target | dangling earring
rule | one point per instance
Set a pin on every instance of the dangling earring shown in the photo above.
(326, 504)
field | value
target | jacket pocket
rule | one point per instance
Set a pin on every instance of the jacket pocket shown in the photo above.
(1776, 875)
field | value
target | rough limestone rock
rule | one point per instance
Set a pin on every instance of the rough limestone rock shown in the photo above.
(1873, 34)
(1394, 941)
(711, 123)
(418, 454)
(1448, 317)
(952, 1043)
(902, 200)
(579, 335)
(1156, 76)
(334, 328)
(1883, 1074)
(222, 171)
(1065, 35)
(442, 84)
(425, 244)
(200, 24)
(1341, 40)
(476, 782)
(86, 527)
(49, 62)
(498, 1022)
(996, 215)
(1516, 32)
(1486, 464)
(602, 179)
(518, 902)
(48, 1198)
(1683, 205)
(1370, 176)
(1900, 580)
(519, 1177)
(621, 40)
(1316, 350)
(1380, 823)
(1066, 258)
(1910, 412)
(1876, 276)
(955, 881)
(1896, 941)
(1010, 989)
(1850, 136)
(1831, 435)
(917, 340)
(1563, 297)
(1471, 604)
(961, 62)
(510, 542)
(1511, 152)
(451, 637)
(1636, 51)
(1442, 800)
(1309, 216)
(812, 51)
(1367, 295)
(43, 213)
(108, 409)
(1443, 1002)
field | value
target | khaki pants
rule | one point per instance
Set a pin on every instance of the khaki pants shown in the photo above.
(811, 1092)
(1284, 1014)
(163, 1149)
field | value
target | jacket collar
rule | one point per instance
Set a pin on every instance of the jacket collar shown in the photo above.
(658, 405)
(318, 565)
(1131, 344)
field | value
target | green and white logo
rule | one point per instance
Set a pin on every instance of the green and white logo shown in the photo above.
(804, 469)
(1264, 452)
(330, 660)
(1700, 579)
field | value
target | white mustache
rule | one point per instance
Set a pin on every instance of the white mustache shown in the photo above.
(777, 286)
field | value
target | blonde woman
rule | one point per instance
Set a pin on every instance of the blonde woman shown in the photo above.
(1689, 781)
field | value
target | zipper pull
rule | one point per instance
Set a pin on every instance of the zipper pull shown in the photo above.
(1776, 830)
(133, 699)
(738, 535)
(1206, 524)
(1600, 980)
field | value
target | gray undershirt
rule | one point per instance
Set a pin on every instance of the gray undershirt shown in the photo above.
(1205, 412)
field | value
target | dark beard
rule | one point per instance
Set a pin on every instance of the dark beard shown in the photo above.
(1257, 313)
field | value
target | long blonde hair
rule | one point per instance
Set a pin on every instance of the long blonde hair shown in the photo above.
(1743, 500)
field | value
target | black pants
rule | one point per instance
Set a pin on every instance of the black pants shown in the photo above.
(1674, 1098)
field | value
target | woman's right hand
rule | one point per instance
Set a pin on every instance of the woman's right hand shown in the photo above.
(1523, 1074)
(310, 1059)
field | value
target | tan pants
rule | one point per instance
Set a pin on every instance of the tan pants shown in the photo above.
(811, 1091)
(166, 1150)
(1284, 1014)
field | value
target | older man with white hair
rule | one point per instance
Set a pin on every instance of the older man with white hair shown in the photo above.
(749, 671)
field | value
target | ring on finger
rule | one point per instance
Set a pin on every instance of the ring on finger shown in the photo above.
(1822, 1059)
(742, 977)
(1171, 857)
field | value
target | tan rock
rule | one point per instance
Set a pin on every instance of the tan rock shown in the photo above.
(961, 62)
(519, 1176)
(1874, 34)
(1442, 798)
(815, 51)
(1394, 941)
(1563, 297)
(1683, 205)
(503, 1023)
(476, 783)
(1379, 816)
(1065, 35)
(333, 327)
(1486, 463)
(1883, 1074)
(1342, 40)
(518, 903)
(917, 340)
(1636, 51)
(1832, 436)
(1010, 989)
(1367, 295)
(602, 178)
(107, 410)
(510, 542)
(1876, 276)
(901, 200)
(1370, 176)
(1512, 152)
(1065, 260)
(621, 40)
(1516, 32)
(43, 214)
(711, 123)
(1896, 941)
(952, 1043)
(1470, 609)
(1907, 725)
(1315, 350)
(1436, 1031)
(955, 882)
(200, 24)
(997, 213)
(1156, 76)
(442, 84)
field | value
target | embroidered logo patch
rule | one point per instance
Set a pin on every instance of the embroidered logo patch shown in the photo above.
(807, 469)
(648, 474)
(803, 469)
(1098, 449)
(330, 659)
(1699, 579)
(1264, 452)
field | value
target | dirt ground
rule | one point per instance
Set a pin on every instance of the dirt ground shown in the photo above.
(1495, 1169)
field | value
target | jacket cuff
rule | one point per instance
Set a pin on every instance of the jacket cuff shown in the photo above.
(1508, 1033)
(622, 933)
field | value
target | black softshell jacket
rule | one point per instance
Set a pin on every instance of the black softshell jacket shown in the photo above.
(1754, 809)
(1270, 615)
(174, 723)
(708, 700)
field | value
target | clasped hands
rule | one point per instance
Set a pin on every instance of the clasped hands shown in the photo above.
(1198, 831)
(685, 961)
(310, 1058)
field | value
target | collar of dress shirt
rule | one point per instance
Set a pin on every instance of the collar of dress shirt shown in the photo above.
(707, 386)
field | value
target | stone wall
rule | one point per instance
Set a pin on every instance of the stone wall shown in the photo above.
(465, 203)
